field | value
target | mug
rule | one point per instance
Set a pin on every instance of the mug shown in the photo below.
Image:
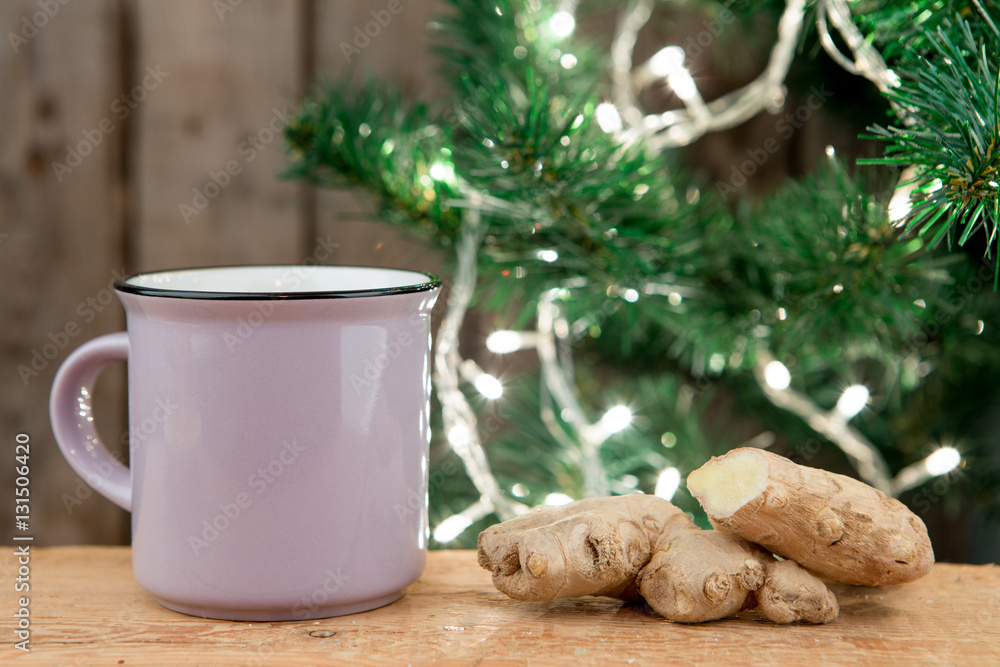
(278, 436)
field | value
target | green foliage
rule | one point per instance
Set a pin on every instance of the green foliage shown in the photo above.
(950, 97)
(901, 25)
(343, 136)
(530, 463)
(823, 249)
(671, 291)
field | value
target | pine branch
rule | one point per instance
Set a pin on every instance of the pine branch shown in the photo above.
(898, 25)
(613, 219)
(664, 282)
(526, 131)
(951, 95)
(369, 137)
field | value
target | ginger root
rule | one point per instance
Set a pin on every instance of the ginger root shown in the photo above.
(591, 547)
(702, 575)
(833, 525)
(761, 504)
(627, 546)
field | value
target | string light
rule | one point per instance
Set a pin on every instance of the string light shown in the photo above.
(455, 525)
(616, 419)
(441, 171)
(450, 528)
(629, 481)
(562, 24)
(457, 414)
(458, 435)
(866, 458)
(506, 341)
(901, 202)
(557, 383)
(852, 401)
(608, 118)
(489, 386)
(940, 462)
(667, 483)
(943, 461)
(558, 499)
(682, 83)
(683, 126)
(551, 340)
(900, 205)
(867, 61)
(716, 363)
(666, 61)
(485, 384)
(777, 376)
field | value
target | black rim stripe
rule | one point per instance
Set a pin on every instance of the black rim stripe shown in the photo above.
(433, 282)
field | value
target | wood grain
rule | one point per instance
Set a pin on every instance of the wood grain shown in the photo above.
(87, 609)
(399, 54)
(61, 243)
(64, 237)
(232, 76)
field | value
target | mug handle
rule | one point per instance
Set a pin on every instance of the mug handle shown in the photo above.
(71, 412)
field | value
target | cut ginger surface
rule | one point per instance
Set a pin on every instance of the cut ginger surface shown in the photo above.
(729, 482)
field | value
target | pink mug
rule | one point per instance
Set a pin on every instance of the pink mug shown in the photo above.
(279, 431)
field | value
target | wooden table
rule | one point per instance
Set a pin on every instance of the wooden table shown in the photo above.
(86, 609)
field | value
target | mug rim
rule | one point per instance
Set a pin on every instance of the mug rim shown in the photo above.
(122, 285)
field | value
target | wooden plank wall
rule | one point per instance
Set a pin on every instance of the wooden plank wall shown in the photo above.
(143, 134)
(64, 241)
(162, 97)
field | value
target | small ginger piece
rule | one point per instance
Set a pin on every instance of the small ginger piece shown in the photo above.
(624, 546)
(791, 593)
(833, 525)
(591, 547)
(699, 575)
